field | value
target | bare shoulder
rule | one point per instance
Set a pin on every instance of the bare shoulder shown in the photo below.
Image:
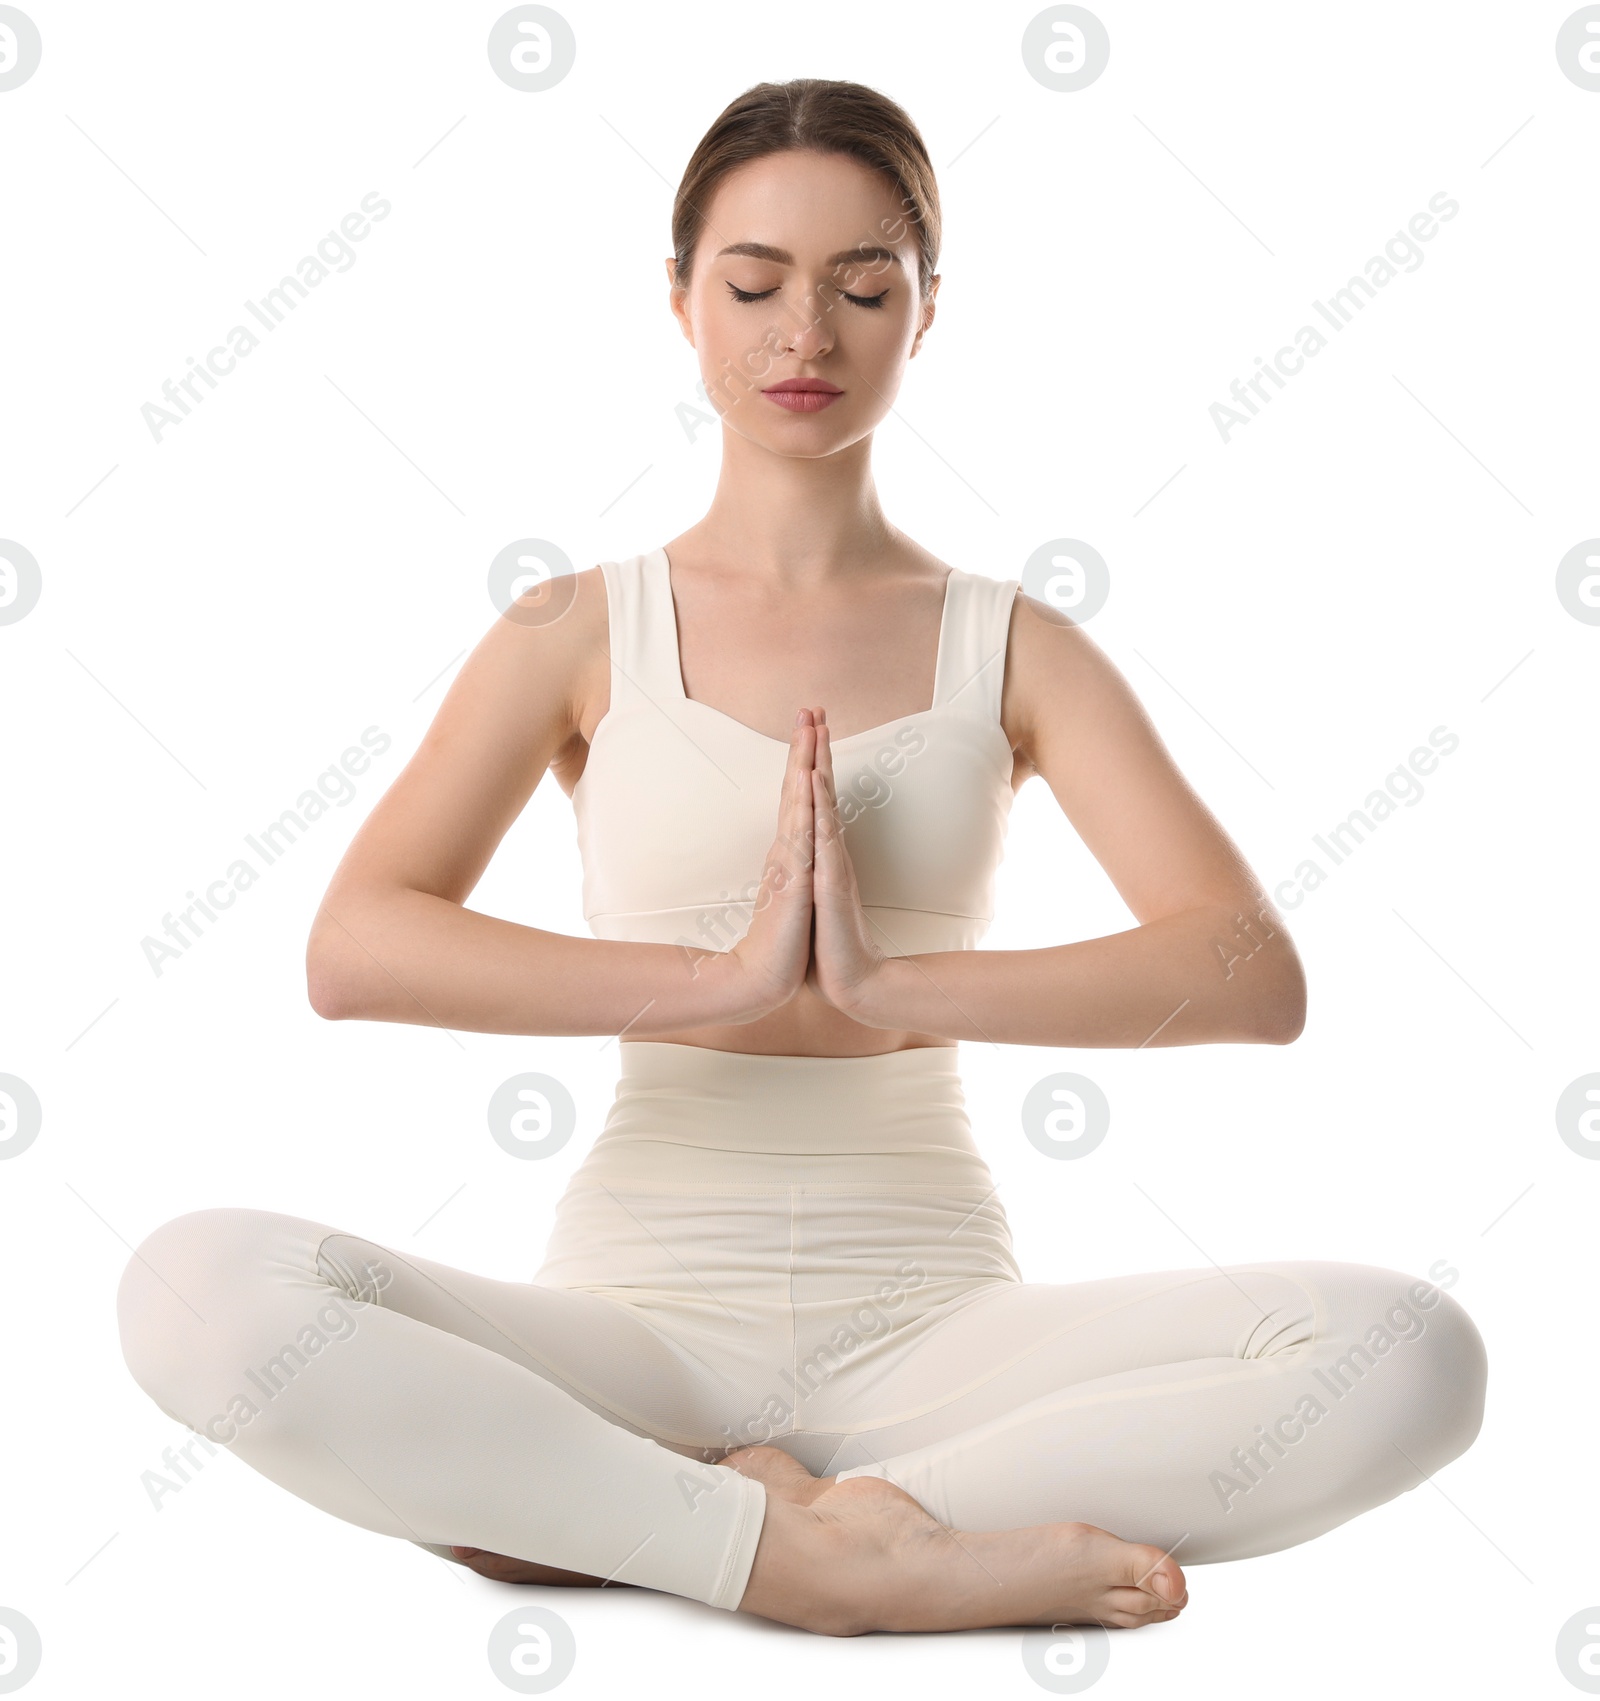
(551, 649)
(557, 621)
(529, 686)
(1080, 724)
(513, 711)
(1054, 671)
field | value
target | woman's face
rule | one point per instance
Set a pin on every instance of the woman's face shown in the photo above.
(823, 245)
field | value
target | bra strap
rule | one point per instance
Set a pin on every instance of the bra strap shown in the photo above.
(643, 638)
(972, 657)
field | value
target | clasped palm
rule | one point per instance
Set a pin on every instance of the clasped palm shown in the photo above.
(808, 926)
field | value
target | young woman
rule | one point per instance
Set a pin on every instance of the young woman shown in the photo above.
(779, 1357)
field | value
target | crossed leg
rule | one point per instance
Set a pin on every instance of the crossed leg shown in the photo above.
(443, 1407)
(1219, 1413)
(435, 1405)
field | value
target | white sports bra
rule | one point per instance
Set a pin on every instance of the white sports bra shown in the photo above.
(677, 806)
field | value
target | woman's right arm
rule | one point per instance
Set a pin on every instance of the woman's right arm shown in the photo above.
(393, 940)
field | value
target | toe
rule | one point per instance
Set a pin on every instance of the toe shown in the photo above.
(1157, 1573)
(1129, 1620)
(1139, 1605)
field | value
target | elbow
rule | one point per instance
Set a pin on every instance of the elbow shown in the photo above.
(326, 991)
(325, 995)
(1285, 1026)
(329, 987)
(1284, 1019)
(1267, 982)
(346, 978)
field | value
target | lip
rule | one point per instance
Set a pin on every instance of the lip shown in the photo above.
(803, 395)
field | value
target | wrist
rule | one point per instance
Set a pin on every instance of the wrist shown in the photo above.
(877, 1000)
(734, 992)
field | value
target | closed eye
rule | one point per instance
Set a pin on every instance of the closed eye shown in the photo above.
(761, 295)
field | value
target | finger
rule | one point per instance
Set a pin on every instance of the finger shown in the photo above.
(801, 753)
(795, 819)
(827, 825)
(825, 799)
(824, 757)
(833, 863)
(803, 829)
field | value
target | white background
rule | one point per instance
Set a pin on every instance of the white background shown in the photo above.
(224, 611)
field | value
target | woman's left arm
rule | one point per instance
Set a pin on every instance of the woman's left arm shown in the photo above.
(1210, 960)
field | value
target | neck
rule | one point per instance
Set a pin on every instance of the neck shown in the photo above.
(793, 521)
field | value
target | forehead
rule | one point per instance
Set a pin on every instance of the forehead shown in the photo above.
(805, 206)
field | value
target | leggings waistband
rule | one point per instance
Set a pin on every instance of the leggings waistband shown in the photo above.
(737, 1101)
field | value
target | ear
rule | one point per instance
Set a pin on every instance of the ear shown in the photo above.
(927, 314)
(677, 299)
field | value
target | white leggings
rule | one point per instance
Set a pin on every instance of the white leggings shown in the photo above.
(806, 1251)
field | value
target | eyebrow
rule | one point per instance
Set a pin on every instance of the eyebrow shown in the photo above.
(782, 256)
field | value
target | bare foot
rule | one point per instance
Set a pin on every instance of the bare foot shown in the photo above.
(782, 1473)
(863, 1555)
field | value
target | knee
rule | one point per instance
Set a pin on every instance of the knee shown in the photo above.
(1458, 1374)
(176, 1306)
(1429, 1337)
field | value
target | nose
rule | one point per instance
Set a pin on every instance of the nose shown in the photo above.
(805, 326)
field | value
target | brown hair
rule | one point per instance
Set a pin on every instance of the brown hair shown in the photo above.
(830, 117)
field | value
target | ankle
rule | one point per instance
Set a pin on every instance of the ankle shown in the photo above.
(798, 1577)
